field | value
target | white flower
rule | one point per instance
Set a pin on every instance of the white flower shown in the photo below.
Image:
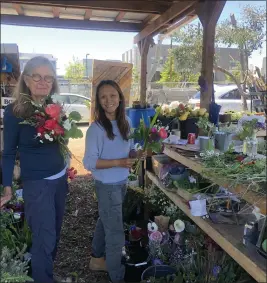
(152, 227)
(51, 139)
(41, 141)
(47, 136)
(67, 125)
(38, 135)
(52, 132)
(179, 226)
(16, 215)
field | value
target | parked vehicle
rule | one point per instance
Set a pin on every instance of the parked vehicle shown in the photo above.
(75, 102)
(226, 96)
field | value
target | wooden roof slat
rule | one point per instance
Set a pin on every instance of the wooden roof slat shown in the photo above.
(56, 12)
(69, 24)
(18, 8)
(173, 12)
(153, 7)
(88, 14)
(120, 16)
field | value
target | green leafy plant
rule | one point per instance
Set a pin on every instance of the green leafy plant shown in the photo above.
(206, 126)
(13, 267)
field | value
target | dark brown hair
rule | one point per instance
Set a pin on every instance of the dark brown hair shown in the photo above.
(101, 118)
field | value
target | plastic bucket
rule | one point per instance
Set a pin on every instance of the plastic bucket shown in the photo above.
(158, 271)
(136, 115)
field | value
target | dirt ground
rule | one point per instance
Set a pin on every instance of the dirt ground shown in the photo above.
(77, 148)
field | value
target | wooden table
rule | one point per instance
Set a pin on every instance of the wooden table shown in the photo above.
(192, 161)
(228, 237)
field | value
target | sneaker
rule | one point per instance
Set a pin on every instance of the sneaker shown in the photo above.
(98, 264)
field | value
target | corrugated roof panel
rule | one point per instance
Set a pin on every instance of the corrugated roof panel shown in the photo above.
(8, 11)
(104, 14)
(71, 16)
(36, 8)
(42, 14)
(101, 19)
(135, 16)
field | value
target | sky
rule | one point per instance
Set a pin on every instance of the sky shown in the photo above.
(63, 44)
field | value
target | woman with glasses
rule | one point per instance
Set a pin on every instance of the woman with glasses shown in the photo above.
(43, 169)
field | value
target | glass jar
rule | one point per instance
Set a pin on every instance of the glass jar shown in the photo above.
(250, 146)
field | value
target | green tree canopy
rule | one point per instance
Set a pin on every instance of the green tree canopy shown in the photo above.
(75, 71)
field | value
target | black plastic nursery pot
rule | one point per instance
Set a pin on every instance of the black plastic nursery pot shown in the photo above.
(158, 271)
(188, 126)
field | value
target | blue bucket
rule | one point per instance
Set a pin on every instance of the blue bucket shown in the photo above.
(158, 271)
(136, 115)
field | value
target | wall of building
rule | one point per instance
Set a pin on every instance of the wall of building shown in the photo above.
(226, 58)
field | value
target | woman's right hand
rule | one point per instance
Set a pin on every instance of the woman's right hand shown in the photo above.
(6, 197)
(126, 162)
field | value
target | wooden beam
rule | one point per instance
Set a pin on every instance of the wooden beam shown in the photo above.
(18, 8)
(149, 19)
(186, 20)
(150, 7)
(88, 14)
(69, 24)
(120, 16)
(56, 12)
(208, 13)
(172, 13)
(143, 46)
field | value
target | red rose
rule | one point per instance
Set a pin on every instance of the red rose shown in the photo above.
(41, 130)
(53, 110)
(163, 133)
(58, 130)
(50, 124)
(40, 120)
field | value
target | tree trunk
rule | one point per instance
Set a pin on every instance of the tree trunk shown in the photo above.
(240, 89)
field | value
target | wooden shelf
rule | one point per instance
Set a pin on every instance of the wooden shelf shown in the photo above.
(228, 237)
(195, 165)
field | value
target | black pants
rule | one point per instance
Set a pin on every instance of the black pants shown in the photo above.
(44, 202)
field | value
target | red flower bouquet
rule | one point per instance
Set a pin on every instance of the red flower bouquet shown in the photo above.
(52, 124)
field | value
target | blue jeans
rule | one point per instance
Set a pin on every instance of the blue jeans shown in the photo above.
(109, 236)
(44, 202)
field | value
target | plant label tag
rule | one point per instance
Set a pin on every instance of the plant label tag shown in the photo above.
(198, 207)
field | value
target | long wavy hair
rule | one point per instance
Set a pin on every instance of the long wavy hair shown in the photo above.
(101, 118)
(22, 93)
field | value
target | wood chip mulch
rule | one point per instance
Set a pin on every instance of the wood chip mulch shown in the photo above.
(74, 251)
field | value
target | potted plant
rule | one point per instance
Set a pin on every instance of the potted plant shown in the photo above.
(188, 117)
(206, 140)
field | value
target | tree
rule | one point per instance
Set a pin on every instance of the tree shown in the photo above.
(168, 73)
(75, 71)
(248, 33)
(188, 52)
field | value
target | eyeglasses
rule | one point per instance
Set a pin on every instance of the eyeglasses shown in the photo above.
(37, 78)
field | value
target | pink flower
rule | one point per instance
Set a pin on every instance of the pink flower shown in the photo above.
(156, 236)
(53, 110)
(41, 130)
(163, 133)
(154, 130)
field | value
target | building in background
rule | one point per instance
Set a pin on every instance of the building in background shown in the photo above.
(228, 59)
(25, 57)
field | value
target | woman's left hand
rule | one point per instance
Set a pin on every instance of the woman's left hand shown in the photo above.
(141, 154)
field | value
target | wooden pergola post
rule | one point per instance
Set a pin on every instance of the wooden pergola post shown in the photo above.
(143, 47)
(208, 13)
